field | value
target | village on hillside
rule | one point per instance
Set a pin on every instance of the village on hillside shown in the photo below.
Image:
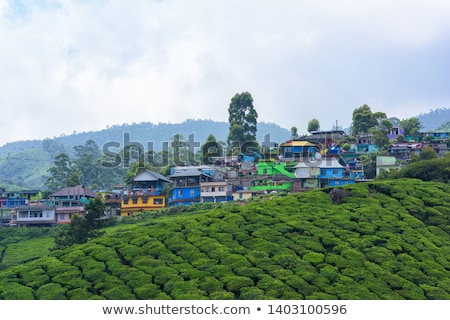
(321, 159)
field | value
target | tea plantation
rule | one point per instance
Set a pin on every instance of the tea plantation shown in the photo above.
(384, 240)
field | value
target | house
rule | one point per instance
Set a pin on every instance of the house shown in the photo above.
(186, 182)
(307, 175)
(69, 201)
(12, 199)
(395, 131)
(320, 173)
(404, 150)
(294, 150)
(215, 191)
(332, 173)
(272, 176)
(326, 138)
(386, 163)
(147, 193)
(37, 215)
(245, 193)
(364, 143)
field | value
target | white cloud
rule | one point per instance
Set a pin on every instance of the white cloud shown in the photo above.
(82, 65)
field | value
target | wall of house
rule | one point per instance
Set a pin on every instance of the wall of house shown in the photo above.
(133, 204)
(184, 195)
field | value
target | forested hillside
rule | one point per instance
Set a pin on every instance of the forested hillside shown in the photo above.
(434, 119)
(24, 164)
(379, 240)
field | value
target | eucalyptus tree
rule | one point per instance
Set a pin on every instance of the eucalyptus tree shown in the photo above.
(243, 123)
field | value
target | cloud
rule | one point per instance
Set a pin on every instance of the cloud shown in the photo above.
(83, 65)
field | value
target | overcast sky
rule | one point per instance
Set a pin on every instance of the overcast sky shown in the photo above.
(83, 65)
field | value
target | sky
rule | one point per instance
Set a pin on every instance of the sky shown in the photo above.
(82, 65)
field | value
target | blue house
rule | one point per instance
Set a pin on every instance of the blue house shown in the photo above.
(364, 144)
(332, 173)
(186, 189)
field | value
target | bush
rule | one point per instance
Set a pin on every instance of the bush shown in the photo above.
(51, 291)
(15, 291)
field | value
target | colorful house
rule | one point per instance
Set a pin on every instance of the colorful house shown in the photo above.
(216, 191)
(147, 193)
(386, 163)
(364, 144)
(321, 173)
(272, 176)
(186, 188)
(69, 201)
(404, 150)
(294, 150)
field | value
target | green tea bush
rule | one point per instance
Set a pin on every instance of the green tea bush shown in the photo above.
(147, 291)
(15, 291)
(251, 293)
(235, 283)
(51, 291)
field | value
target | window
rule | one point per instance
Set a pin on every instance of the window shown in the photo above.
(144, 199)
(335, 171)
(180, 193)
(221, 188)
(213, 189)
(158, 201)
(323, 172)
(125, 200)
(135, 200)
(193, 193)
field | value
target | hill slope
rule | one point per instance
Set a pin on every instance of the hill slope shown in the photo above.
(25, 163)
(387, 240)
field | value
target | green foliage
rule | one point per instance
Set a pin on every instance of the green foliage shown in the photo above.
(389, 239)
(243, 121)
(81, 229)
(313, 125)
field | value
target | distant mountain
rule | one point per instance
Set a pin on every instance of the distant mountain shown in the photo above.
(434, 119)
(25, 163)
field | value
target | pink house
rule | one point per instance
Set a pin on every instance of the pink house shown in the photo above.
(69, 201)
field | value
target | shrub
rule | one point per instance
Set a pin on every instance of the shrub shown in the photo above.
(314, 257)
(147, 291)
(51, 291)
(119, 292)
(15, 291)
(435, 293)
(251, 293)
(235, 283)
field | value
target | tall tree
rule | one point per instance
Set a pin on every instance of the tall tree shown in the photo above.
(294, 133)
(313, 125)
(87, 164)
(60, 172)
(362, 120)
(411, 126)
(243, 121)
(211, 148)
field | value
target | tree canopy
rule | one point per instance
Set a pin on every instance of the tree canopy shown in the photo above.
(362, 120)
(243, 121)
(313, 125)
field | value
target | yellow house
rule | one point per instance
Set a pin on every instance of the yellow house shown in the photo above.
(145, 194)
(140, 201)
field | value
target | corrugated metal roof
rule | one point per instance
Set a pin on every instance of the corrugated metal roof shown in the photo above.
(148, 175)
(77, 190)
